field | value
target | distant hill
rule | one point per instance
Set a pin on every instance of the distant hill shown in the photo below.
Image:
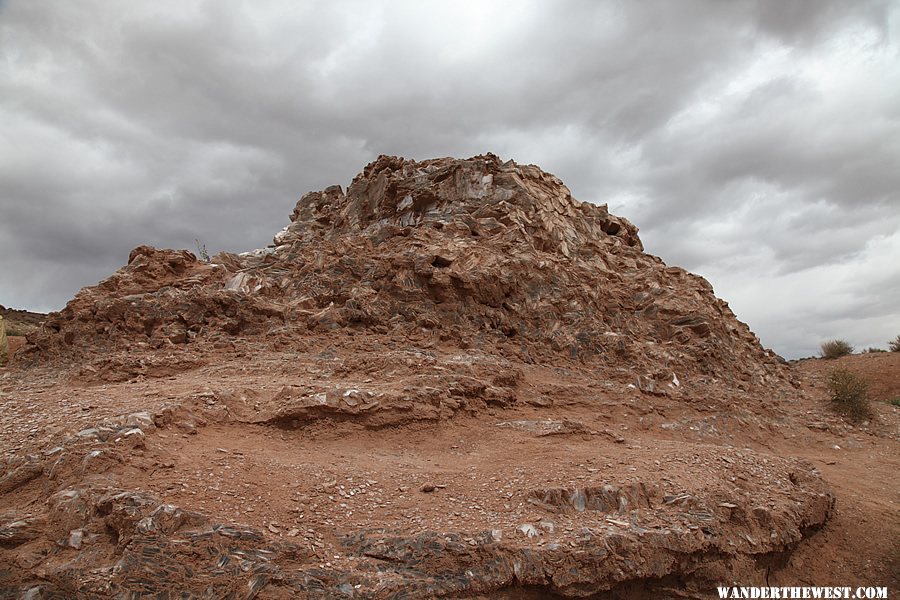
(21, 322)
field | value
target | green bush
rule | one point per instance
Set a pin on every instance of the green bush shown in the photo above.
(894, 344)
(849, 394)
(836, 349)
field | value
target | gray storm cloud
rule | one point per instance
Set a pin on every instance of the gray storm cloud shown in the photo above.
(757, 143)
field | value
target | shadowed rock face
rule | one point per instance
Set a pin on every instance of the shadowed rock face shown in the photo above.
(478, 252)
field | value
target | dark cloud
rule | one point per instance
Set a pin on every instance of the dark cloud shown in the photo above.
(754, 142)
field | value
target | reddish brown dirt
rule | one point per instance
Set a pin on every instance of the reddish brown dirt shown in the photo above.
(15, 342)
(862, 542)
(304, 485)
(878, 369)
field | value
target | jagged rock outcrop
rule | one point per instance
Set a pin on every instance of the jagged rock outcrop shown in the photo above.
(479, 252)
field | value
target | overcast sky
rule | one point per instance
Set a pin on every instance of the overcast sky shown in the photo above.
(754, 143)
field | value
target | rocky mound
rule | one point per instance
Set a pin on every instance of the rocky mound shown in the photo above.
(451, 380)
(480, 253)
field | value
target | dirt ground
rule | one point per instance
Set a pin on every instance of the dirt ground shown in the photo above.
(15, 342)
(862, 542)
(484, 470)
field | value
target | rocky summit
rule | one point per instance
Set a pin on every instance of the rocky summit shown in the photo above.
(480, 253)
(451, 379)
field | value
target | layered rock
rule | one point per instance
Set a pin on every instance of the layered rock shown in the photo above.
(67, 530)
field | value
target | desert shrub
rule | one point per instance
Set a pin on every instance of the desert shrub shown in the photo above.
(836, 349)
(849, 394)
(894, 344)
(874, 350)
(201, 251)
(895, 401)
